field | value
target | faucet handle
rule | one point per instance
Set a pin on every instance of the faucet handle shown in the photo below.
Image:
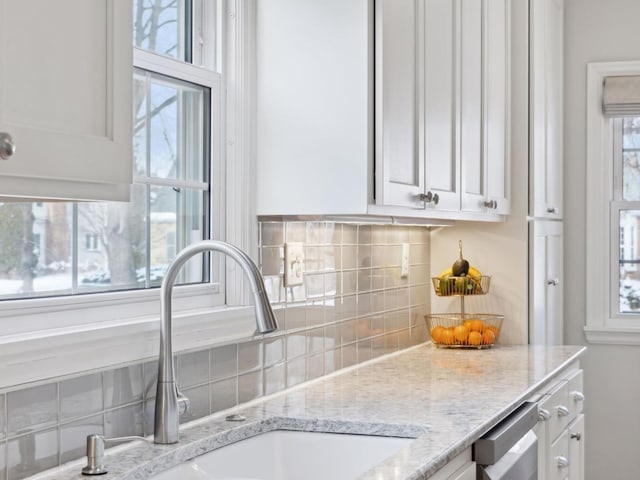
(183, 403)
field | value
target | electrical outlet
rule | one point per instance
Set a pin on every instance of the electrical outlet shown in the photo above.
(293, 263)
(404, 262)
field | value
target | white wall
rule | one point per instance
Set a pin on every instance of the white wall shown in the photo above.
(597, 31)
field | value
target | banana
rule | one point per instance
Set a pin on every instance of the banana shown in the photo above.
(446, 273)
(474, 273)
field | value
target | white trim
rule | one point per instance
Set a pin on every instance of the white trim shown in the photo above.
(38, 356)
(612, 335)
(600, 326)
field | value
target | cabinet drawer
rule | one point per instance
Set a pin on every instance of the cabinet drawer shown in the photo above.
(558, 461)
(555, 410)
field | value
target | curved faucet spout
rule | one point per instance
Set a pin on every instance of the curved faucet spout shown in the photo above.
(168, 397)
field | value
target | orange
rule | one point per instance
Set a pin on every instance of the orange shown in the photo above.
(467, 323)
(475, 338)
(488, 337)
(461, 333)
(476, 325)
(436, 333)
(447, 337)
(494, 329)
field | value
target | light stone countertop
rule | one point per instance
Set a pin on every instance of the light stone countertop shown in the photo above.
(444, 398)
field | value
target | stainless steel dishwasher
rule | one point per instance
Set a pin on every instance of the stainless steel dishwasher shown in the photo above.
(509, 451)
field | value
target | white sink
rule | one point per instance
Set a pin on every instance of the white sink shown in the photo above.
(290, 455)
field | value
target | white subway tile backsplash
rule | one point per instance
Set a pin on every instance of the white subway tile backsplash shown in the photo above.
(250, 356)
(122, 386)
(3, 417)
(3, 460)
(81, 396)
(250, 386)
(224, 394)
(32, 409)
(32, 453)
(275, 378)
(124, 421)
(271, 233)
(193, 368)
(315, 366)
(273, 350)
(224, 362)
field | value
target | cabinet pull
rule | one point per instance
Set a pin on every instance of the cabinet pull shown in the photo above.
(562, 411)
(554, 282)
(577, 396)
(563, 462)
(543, 415)
(577, 436)
(7, 147)
(429, 197)
(491, 204)
(553, 210)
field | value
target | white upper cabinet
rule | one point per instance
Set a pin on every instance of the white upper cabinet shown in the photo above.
(428, 80)
(65, 98)
(546, 96)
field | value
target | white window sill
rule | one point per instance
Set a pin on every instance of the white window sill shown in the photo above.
(44, 354)
(612, 335)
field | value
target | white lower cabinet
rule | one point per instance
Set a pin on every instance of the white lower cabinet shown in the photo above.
(576, 448)
(560, 429)
(460, 468)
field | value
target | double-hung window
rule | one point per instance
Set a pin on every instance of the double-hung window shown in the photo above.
(67, 267)
(613, 203)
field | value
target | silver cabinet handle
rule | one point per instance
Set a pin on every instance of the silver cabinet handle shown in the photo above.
(563, 462)
(577, 396)
(553, 210)
(491, 204)
(429, 197)
(554, 282)
(7, 147)
(543, 415)
(576, 436)
(562, 411)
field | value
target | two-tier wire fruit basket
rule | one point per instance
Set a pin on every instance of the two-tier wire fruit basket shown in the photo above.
(463, 330)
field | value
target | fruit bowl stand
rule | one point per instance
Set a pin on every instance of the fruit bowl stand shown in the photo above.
(463, 330)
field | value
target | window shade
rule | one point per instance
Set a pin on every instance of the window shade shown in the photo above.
(621, 97)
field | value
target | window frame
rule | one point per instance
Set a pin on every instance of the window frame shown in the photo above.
(45, 337)
(603, 323)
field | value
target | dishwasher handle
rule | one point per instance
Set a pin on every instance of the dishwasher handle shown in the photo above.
(499, 440)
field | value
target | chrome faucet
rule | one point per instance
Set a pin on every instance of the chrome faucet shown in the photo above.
(170, 403)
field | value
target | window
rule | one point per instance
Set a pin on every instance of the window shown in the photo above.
(53, 249)
(613, 204)
(189, 184)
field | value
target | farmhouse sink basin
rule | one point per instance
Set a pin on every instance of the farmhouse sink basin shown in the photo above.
(290, 455)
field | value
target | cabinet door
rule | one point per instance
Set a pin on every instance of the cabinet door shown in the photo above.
(546, 96)
(399, 162)
(576, 448)
(65, 98)
(439, 98)
(497, 96)
(314, 103)
(484, 103)
(545, 283)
